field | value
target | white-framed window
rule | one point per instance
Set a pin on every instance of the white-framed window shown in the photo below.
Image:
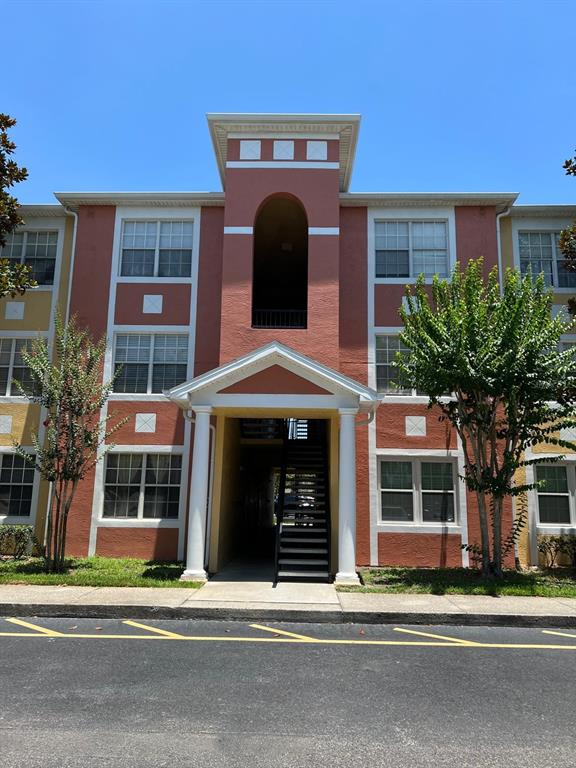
(157, 248)
(417, 491)
(142, 486)
(539, 252)
(407, 248)
(13, 367)
(16, 486)
(557, 496)
(37, 249)
(387, 346)
(150, 362)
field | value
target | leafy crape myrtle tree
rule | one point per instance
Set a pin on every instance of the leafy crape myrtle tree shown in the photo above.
(512, 388)
(14, 278)
(72, 392)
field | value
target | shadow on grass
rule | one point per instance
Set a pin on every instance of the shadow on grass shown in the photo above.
(442, 581)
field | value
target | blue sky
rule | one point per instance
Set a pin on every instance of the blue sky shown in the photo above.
(454, 96)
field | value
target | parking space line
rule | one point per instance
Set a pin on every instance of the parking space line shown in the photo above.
(163, 632)
(562, 634)
(287, 634)
(436, 637)
(36, 628)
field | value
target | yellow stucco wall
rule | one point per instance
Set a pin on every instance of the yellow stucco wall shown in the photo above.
(25, 420)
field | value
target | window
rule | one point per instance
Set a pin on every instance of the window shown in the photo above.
(16, 485)
(539, 252)
(36, 249)
(407, 248)
(417, 491)
(157, 249)
(386, 372)
(139, 485)
(554, 500)
(150, 362)
(13, 368)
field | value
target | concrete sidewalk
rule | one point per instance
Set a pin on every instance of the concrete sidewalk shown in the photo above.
(259, 600)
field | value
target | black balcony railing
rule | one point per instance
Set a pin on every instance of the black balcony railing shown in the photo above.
(279, 318)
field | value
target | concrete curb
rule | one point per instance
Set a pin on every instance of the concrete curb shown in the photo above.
(298, 614)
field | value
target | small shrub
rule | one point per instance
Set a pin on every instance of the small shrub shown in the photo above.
(554, 547)
(16, 540)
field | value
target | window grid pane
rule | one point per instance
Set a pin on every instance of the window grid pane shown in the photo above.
(16, 485)
(162, 485)
(386, 372)
(41, 255)
(434, 486)
(426, 240)
(123, 478)
(536, 254)
(143, 241)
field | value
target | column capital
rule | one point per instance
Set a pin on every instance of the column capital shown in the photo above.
(347, 411)
(202, 408)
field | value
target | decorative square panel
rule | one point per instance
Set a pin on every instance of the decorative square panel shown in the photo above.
(316, 150)
(5, 425)
(14, 310)
(145, 422)
(283, 150)
(415, 426)
(152, 304)
(250, 149)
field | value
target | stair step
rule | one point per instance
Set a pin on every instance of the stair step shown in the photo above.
(289, 540)
(303, 551)
(302, 561)
(303, 574)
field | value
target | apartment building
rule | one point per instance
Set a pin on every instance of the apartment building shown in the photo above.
(254, 332)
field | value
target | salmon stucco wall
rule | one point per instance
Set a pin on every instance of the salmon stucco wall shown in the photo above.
(353, 329)
(476, 234)
(143, 543)
(427, 550)
(209, 298)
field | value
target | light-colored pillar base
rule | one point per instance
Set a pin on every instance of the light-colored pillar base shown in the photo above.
(194, 576)
(346, 578)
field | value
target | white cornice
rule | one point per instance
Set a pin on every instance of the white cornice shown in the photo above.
(38, 211)
(413, 199)
(557, 211)
(153, 199)
(344, 127)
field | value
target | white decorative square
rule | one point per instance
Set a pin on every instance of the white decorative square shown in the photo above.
(416, 426)
(152, 304)
(568, 434)
(14, 310)
(145, 422)
(316, 150)
(283, 150)
(5, 425)
(250, 149)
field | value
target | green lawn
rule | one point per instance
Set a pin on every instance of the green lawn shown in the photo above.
(463, 581)
(96, 572)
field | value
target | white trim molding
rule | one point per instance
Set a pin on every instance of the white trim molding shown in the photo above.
(277, 164)
(323, 230)
(238, 230)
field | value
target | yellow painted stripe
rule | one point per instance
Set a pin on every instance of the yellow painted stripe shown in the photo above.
(164, 632)
(36, 628)
(562, 634)
(294, 641)
(436, 637)
(285, 633)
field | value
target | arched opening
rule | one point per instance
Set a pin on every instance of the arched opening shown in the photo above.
(280, 275)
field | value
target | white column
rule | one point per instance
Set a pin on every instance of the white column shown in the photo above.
(347, 499)
(198, 497)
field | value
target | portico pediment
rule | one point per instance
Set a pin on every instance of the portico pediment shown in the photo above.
(274, 376)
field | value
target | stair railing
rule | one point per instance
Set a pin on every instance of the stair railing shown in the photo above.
(281, 498)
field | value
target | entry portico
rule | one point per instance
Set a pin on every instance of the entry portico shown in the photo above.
(274, 382)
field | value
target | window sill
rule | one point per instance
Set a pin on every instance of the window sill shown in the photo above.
(153, 279)
(438, 528)
(556, 530)
(131, 397)
(16, 520)
(137, 522)
(404, 280)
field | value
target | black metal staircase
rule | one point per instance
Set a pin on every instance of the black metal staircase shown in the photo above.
(303, 511)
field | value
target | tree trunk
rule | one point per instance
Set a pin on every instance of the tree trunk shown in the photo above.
(497, 538)
(484, 535)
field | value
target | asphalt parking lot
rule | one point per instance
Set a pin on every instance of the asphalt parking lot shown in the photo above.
(199, 693)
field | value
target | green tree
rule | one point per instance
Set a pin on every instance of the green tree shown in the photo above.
(568, 236)
(14, 278)
(72, 392)
(513, 388)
